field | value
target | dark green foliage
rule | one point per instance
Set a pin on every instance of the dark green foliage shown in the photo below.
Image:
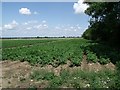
(104, 60)
(104, 22)
(117, 79)
(32, 88)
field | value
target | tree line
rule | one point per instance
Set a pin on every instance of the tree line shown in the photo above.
(104, 22)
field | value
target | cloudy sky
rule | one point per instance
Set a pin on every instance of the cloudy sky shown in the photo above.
(22, 19)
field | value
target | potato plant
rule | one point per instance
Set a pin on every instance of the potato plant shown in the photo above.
(56, 52)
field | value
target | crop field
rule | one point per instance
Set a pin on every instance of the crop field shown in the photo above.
(76, 54)
(22, 42)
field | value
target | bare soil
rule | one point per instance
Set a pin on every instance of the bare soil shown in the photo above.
(16, 73)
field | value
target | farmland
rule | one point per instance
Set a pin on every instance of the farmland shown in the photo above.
(22, 42)
(72, 58)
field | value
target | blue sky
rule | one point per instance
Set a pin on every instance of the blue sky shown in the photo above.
(42, 19)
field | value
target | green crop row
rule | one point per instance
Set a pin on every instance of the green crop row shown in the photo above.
(58, 52)
(54, 53)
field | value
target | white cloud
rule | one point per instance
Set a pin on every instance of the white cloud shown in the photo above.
(45, 25)
(0, 28)
(79, 27)
(12, 25)
(71, 27)
(8, 26)
(25, 11)
(29, 23)
(65, 29)
(25, 23)
(41, 26)
(32, 21)
(75, 30)
(43, 21)
(35, 24)
(38, 26)
(57, 28)
(35, 13)
(79, 7)
(28, 28)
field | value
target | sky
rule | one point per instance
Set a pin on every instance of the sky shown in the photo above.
(52, 19)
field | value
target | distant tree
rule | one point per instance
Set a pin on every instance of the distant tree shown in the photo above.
(46, 37)
(63, 36)
(38, 37)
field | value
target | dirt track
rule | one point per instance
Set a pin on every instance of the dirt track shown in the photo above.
(13, 72)
(16, 73)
